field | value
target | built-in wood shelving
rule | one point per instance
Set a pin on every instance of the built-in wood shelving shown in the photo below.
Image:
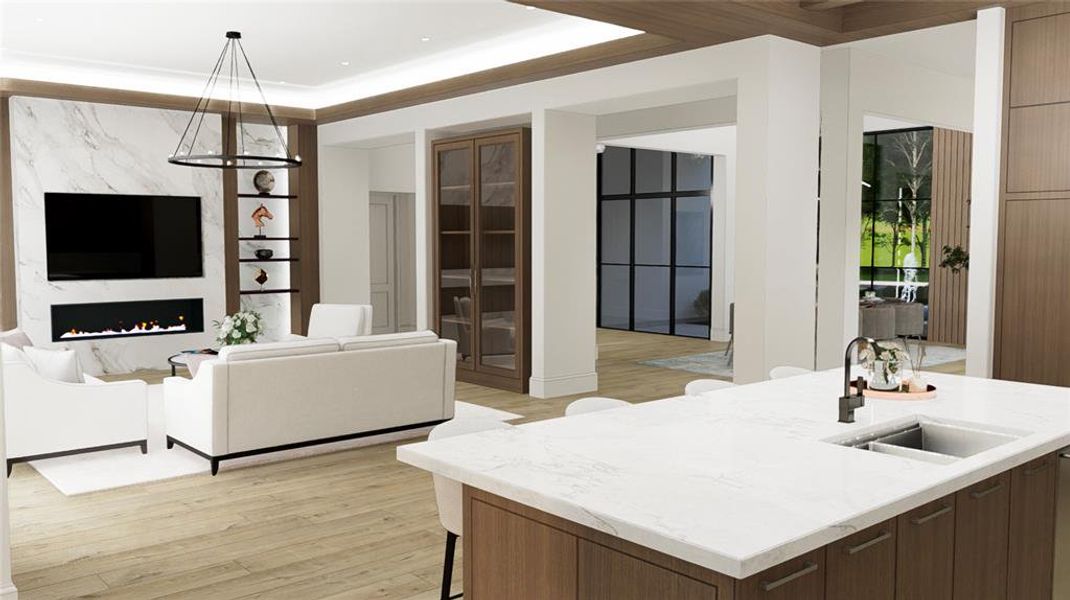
(260, 260)
(269, 291)
(267, 239)
(284, 196)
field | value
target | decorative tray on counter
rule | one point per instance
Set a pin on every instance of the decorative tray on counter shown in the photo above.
(928, 394)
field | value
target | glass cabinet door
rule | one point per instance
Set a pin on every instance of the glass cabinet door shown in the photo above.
(499, 185)
(455, 193)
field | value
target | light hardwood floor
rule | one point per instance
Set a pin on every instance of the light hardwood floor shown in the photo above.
(354, 524)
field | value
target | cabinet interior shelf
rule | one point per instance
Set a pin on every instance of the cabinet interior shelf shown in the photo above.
(456, 232)
(260, 260)
(269, 291)
(290, 196)
(448, 188)
(267, 239)
(499, 231)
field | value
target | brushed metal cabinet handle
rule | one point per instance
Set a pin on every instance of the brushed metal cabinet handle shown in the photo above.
(922, 520)
(983, 493)
(808, 567)
(884, 535)
(1037, 469)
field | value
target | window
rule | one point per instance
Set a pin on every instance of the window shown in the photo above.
(896, 214)
(654, 241)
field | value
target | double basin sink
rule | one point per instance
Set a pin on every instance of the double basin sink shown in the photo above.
(940, 442)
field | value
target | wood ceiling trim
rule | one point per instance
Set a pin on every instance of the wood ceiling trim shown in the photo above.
(83, 93)
(583, 59)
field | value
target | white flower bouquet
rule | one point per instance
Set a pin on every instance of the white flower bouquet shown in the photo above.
(242, 327)
(885, 361)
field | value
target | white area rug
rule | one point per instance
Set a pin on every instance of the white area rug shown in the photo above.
(716, 363)
(96, 471)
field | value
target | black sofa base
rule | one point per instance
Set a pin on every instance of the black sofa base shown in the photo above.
(143, 444)
(215, 460)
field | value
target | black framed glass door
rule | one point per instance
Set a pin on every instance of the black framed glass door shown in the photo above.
(654, 241)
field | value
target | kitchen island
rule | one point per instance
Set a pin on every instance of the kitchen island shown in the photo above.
(758, 492)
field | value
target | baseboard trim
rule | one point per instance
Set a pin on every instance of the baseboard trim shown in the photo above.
(9, 593)
(719, 335)
(555, 387)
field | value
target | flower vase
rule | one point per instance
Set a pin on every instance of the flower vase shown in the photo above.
(884, 378)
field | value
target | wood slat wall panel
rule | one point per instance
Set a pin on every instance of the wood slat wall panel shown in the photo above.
(952, 151)
(1032, 333)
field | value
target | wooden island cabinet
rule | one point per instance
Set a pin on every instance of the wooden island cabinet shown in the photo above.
(991, 540)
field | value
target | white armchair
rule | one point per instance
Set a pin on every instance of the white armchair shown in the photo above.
(338, 321)
(46, 418)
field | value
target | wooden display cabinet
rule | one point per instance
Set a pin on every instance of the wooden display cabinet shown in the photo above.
(482, 254)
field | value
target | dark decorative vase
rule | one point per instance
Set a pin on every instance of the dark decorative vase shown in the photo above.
(264, 253)
(264, 182)
(261, 278)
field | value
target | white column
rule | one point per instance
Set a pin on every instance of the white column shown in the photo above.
(7, 587)
(837, 313)
(345, 253)
(720, 274)
(984, 192)
(776, 210)
(424, 284)
(563, 278)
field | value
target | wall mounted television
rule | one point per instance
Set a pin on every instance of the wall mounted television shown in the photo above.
(113, 236)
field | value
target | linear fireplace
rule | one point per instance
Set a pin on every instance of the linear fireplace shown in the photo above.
(98, 320)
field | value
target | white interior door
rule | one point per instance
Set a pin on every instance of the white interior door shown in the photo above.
(383, 263)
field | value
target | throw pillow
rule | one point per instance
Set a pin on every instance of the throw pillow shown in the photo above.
(57, 365)
(13, 354)
(16, 338)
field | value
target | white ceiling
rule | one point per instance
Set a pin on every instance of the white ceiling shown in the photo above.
(949, 49)
(296, 47)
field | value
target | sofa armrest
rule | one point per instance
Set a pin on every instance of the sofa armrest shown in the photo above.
(195, 409)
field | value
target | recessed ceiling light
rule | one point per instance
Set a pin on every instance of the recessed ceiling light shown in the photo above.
(282, 83)
(425, 39)
(345, 63)
(530, 7)
(40, 19)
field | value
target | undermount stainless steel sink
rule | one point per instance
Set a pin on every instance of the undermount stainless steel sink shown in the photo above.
(931, 441)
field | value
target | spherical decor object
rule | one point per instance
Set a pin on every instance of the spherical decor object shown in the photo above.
(264, 253)
(264, 182)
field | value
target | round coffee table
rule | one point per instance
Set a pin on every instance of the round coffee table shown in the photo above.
(182, 359)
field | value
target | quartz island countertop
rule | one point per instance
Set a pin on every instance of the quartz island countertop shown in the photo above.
(742, 479)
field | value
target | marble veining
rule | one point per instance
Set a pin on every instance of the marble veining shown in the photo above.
(62, 146)
(741, 479)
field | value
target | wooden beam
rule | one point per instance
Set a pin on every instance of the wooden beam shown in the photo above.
(8, 298)
(825, 4)
(592, 57)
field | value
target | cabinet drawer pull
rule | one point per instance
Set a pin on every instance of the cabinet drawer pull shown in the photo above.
(983, 493)
(1041, 467)
(884, 535)
(808, 567)
(922, 520)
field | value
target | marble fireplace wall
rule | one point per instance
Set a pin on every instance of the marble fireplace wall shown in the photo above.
(275, 308)
(63, 146)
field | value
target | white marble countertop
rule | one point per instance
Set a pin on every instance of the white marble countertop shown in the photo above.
(740, 479)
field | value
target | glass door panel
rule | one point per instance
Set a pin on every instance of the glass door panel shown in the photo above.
(455, 249)
(498, 187)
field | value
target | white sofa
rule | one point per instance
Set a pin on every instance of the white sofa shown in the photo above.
(278, 396)
(45, 418)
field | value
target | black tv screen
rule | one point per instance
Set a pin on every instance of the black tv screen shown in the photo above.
(111, 236)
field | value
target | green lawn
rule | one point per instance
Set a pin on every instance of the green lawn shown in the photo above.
(883, 248)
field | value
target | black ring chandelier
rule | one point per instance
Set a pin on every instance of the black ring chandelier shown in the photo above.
(232, 154)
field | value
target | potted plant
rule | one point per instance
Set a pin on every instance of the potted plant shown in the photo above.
(242, 327)
(884, 361)
(956, 259)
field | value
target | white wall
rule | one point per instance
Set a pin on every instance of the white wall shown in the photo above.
(984, 193)
(7, 587)
(777, 111)
(393, 169)
(61, 146)
(343, 220)
(563, 221)
(855, 83)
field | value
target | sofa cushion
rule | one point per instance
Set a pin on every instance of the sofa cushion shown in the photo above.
(12, 354)
(57, 365)
(16, 338)
(276, 350)
(387, 340)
